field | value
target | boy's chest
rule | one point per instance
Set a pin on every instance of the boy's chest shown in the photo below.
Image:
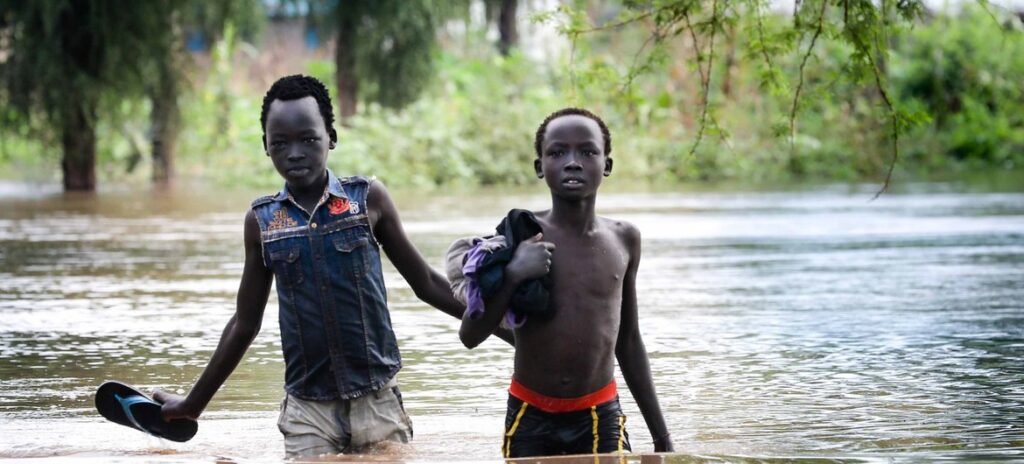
(594, 265)
(334, 243)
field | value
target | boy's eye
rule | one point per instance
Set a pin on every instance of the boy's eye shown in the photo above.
(310, 139)
(277, 144)
(590, 152)
(556, 153)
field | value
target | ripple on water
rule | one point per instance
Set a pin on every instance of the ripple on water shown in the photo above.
(789, 326)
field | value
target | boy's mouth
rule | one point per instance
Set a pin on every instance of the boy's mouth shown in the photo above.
(298, 171)
(572, 182)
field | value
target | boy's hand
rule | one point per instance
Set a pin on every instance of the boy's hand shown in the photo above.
(175, 406)
(532, 259)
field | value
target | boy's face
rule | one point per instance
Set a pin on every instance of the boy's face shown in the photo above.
(297, 140)
(572, 159)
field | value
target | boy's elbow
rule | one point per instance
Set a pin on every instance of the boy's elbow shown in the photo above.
(468, 339)
(420, 291)
(246, 330)
(427, 283)
(626, 348)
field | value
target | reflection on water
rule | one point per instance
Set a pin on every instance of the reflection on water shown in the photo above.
(806, 326)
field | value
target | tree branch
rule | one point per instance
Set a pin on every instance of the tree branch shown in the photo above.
(634, 70)
(704, 76)
(862, 47)
(760, 36)
(800, 82)
(627, 21)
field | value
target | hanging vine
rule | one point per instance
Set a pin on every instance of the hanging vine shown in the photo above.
(862, 23)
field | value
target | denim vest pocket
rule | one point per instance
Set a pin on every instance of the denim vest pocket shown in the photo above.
(353, 250)
(345, 246)
(286, 265)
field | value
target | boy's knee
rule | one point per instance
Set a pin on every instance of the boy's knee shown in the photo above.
(308, 445)
(311, 428)
(380, 417)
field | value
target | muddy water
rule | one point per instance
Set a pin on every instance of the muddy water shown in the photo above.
(806, 323)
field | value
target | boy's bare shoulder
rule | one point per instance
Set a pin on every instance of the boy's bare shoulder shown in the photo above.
(628, 233)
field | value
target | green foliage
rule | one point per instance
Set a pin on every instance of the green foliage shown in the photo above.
(952, 81)
(393, 43)
(68, 70)
(463, 132)
(64, 56)
(824, 74)
(966, 73)
(396, 44)
(246, 17)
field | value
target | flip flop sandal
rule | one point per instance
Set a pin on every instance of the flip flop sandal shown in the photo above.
(123, 404)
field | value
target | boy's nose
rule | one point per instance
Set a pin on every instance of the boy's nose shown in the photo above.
(295, 153)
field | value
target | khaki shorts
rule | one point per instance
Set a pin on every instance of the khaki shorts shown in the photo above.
(312, 428)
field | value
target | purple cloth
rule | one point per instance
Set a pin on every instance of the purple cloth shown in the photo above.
(474, 300)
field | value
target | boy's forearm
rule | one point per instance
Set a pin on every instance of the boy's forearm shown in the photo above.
(636, 371)
(234, 342)
(439, 295)
(475, 331)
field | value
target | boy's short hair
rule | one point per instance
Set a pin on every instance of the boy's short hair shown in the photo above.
(539, 138)
(295, 87)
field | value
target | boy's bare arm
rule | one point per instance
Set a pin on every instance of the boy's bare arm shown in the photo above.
(237, 336)
(531, 260)
(428, 284)
(631, 354)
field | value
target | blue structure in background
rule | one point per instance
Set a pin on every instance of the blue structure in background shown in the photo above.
(195, 41)
(312, 38)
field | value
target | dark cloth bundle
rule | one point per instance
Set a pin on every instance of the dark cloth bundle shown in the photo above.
(531, 297)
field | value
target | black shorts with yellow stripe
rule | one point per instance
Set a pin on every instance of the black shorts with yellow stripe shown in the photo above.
(532, 432)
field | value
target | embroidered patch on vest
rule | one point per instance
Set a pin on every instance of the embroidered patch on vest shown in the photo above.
(281, 221)
(338, 206)
(354, 207)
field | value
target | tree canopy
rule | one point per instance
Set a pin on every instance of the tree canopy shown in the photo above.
(861, 28)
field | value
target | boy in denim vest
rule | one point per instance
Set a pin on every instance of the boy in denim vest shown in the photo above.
(563, 398)
(320, 238)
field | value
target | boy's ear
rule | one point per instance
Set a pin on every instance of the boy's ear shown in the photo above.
(607, 166)
(536, 167)
(330, 146)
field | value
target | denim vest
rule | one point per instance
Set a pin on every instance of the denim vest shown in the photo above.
(335, 326)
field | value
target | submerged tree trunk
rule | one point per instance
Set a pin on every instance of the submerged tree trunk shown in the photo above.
(345, 62)
(78, 139)
(507, 26)
(165, 116)
(730, 62)
(165, 120)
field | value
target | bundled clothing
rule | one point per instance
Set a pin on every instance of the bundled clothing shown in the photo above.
(457, 255)
(476, 270)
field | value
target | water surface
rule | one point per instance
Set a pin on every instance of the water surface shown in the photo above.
(810, 324)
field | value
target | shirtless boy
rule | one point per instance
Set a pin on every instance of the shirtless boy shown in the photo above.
(563, 398)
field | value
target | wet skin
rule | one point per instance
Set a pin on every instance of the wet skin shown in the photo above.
(593, 263)
(554, 359)
(297, 143)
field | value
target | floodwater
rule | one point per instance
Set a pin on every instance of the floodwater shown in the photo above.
(810, 324)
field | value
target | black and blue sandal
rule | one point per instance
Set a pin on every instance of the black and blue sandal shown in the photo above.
(123, 404)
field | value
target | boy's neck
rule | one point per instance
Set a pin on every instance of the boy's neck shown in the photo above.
(575, 214)
(309, 196)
